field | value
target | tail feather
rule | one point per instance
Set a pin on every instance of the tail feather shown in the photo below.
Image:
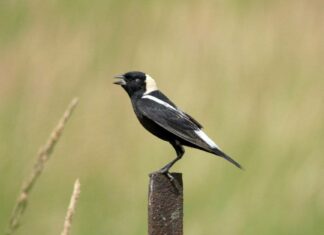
(228, 158)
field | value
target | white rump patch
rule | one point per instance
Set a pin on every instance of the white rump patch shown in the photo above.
(157, 100)
(150, 84)
(204, 137)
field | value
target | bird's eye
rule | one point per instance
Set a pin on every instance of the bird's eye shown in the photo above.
(137, 80)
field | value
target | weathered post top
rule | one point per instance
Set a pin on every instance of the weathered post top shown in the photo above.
(165, 204)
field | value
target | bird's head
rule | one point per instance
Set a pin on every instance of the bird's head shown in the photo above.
(136, 83)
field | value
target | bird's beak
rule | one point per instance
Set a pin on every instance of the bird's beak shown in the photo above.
(121, 80)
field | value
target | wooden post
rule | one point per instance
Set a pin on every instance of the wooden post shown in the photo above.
(165, 205)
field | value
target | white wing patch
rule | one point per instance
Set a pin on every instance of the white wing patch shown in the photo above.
(204, 137)
(157, 100)
(150, 84)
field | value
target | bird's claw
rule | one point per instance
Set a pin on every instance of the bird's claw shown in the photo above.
(164, 172)
(170, 177)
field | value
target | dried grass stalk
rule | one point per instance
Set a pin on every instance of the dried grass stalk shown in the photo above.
(71, 208)
(42, 157)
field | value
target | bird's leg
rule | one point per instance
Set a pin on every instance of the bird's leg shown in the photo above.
(167, 167)
(180, 151)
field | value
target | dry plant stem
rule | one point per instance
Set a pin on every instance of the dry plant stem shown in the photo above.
(71, 208)
(42, 157)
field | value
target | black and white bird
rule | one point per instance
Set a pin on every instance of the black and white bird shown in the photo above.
(164, 119)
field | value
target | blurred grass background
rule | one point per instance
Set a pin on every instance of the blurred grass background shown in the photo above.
(250, 71)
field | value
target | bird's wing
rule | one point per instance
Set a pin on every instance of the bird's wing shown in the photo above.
(159, 95)
(174, 121)
(194, 121)
(178, 123)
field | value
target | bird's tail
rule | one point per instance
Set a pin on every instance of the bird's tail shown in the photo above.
(228, 158)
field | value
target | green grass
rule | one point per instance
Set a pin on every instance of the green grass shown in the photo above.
(251, 72)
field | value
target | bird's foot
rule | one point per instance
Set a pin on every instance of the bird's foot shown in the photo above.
(170, 177)
(165, 172)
